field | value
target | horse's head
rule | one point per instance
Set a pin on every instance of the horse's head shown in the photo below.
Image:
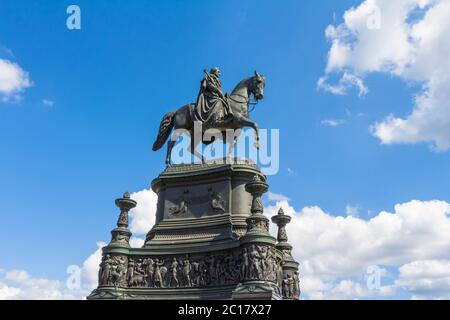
(256, 86)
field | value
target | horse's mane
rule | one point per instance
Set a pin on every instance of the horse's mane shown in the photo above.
(241, 84)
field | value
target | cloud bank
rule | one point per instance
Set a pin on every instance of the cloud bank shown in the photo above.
(406, 39)
(335, 252)
(13, 80)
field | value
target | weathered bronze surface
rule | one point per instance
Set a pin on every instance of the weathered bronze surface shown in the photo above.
(213, 110)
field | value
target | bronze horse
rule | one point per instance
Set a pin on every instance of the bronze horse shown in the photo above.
(238, 100)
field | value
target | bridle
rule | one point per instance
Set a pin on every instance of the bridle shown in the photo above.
(247, 101)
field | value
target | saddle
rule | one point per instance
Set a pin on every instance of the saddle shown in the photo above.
(213, 120)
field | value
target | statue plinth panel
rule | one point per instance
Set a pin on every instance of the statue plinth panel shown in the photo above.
(201, 205)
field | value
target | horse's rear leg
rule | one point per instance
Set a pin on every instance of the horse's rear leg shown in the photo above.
(231, 146)
(170, 145)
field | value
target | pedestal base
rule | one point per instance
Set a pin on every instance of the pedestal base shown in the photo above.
(195, 249)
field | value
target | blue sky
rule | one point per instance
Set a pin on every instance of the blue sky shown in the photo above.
(62, 166)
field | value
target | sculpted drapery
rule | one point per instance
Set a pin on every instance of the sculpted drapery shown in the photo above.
(211, 107)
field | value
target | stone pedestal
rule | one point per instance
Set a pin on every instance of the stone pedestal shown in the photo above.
(210, 240)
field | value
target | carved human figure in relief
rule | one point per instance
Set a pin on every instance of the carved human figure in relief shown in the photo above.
(296, 285)
(118, 271)
(196, 274)
(245, 267)
(159, 273)
(130, 272)
(289, 286)
(139, 279)
(105, 270)
(255, 270)
(219, 271)
(187, 268)
(271, 265)
(217, 201)
(211, 270)
(181, 208)
(149, 271)
(173, 273)
(263, 260)
(280, 276)
(286, 287)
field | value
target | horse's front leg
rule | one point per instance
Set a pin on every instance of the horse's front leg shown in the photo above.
(247, 123)
(255, 127)
(230, 148)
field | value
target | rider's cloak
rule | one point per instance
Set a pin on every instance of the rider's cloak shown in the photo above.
(211, 107)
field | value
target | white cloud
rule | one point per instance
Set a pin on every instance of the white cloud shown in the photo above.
(316, 288)
(13, 80)
(136, 242)
(291, 172)
(333, 122)
(48, 103)
(404, 38)
(335, 248)
(346, 289)
(19, 285)
(346, 82)
(7, 51)
(8, 293)
(426, 278)
(143, 216)
(89, 270)
(272, 196)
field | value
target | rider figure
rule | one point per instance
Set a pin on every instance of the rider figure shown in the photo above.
(211, 100)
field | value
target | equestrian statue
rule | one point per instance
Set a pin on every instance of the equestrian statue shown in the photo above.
(214, 110)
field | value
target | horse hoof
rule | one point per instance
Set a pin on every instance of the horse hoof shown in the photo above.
(256, 144)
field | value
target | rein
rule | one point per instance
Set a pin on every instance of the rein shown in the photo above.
(246, 101)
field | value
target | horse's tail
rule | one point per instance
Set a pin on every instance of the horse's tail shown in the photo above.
(164, 130)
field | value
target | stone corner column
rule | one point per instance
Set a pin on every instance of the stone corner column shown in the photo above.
(290, 284)
(115, 255)
(261, 263)
(257, 222)
(120, 236)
